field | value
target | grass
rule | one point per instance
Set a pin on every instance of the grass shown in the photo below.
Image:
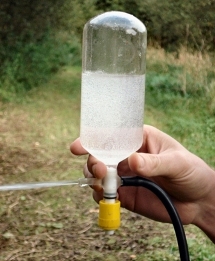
(184, 111)
(60, 223)
(25, 65)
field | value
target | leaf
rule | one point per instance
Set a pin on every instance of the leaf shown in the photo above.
(57, 225)
(8, 235)
(111, 241)
(23, 198)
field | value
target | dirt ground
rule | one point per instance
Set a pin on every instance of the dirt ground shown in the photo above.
(61, 223)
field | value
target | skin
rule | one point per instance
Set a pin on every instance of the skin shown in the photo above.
(188, 180)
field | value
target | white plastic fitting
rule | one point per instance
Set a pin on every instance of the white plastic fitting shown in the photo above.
(111, 183)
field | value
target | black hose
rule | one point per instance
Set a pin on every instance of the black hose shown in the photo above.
(161, 194)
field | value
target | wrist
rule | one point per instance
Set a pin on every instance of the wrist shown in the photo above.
(205, 219)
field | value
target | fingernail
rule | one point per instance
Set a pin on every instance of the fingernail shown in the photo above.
(87, 174)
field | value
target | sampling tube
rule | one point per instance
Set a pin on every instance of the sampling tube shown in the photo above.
(112, 96)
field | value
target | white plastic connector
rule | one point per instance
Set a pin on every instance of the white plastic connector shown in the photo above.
(110, 185)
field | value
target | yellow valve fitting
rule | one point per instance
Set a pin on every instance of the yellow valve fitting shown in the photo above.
(109, 215)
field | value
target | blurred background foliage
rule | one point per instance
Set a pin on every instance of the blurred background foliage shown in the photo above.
(40, 79)
(37, 38)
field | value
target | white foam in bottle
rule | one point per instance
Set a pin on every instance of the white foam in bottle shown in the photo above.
(112, 115)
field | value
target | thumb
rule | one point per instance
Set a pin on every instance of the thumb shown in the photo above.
(151, 165)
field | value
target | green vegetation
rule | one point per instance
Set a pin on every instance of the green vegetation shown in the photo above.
(32, 64)
(60, 223)
(180, 94)
(40, 46)
(172, 24)
(37, 39)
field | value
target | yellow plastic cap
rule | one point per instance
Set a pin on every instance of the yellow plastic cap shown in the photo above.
(109, 215)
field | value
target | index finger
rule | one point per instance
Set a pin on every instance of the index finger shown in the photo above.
(76, 148)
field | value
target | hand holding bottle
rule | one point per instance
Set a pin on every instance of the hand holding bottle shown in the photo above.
(188, 180)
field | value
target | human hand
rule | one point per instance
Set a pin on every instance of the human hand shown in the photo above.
(187, 179)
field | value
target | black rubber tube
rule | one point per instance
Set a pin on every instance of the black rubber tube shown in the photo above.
(162, 195)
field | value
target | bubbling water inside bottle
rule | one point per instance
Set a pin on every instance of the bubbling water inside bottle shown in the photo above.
(111, 120)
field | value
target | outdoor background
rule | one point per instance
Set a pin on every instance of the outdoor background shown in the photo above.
(40, 72)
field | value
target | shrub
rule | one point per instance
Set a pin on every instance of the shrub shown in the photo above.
(28, 65)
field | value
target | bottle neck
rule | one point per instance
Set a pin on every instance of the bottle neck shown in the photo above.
(110, 185)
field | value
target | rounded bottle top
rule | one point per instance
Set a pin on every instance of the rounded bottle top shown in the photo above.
(114, 43)
(117, 19)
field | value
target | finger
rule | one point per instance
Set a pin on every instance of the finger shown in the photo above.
(76, 148)
(87, 174)
(156, 141)
(98, 195)
(97, 168)
(123, 169)
(151, 165)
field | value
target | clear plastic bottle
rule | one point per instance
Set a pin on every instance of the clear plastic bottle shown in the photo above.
(113, 84)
